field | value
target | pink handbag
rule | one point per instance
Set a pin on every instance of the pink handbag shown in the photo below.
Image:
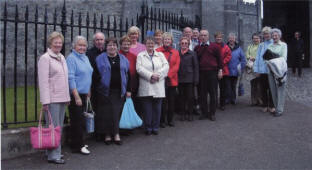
(45, 138)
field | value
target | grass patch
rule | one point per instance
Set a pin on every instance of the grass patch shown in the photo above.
(21, 114)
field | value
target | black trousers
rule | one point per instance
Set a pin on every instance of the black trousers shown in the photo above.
(223, 83)
(265, 91)
(186, 98)
(77, 122)
(232, 88)
(168, 105)
(297, 65)
(208, 85)
(108, 113)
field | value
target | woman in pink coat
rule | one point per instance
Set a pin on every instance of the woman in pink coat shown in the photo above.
(53, 87)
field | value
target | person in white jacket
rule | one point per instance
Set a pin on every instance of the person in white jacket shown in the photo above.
(152, 68)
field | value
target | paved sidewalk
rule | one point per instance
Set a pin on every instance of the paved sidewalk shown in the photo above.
(243, 137)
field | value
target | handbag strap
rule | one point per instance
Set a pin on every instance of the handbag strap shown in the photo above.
(88, 104)
(50, 118)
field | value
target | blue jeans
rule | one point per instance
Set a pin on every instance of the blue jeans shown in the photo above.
(152, 112)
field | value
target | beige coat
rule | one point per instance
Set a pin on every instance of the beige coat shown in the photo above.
(146, 67)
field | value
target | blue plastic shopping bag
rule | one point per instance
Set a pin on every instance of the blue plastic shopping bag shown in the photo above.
(129, 118)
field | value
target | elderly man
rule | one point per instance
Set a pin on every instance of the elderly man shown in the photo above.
(92, 53)
(188, 32)
(210, 66)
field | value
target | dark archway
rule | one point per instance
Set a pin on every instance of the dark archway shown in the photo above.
(289, 16)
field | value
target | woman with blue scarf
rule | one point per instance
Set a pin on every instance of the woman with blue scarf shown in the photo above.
(79, 78)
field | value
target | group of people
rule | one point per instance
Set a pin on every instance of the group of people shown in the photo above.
(160, 80)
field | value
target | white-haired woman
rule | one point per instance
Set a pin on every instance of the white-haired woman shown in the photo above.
(278, 71)
(80, 78)
(53, 87)
(261, 70)
(136, 47)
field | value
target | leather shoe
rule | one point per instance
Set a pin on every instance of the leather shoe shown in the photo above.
(213, 118)
(57, 161)
(118, 142)
(276, 114)
(162, 125)
(202, 117)
(148, 133)
(171, 124)
(222, 108)
(107, 142)
(155, 132)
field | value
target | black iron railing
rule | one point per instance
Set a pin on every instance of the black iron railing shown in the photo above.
(148, 19)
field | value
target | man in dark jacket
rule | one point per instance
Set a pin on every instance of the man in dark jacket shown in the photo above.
(210, 66)
(92, 53)
(298, 53)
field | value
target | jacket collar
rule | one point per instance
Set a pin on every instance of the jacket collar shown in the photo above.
(236, 46)
(53, 55)
(78, 54)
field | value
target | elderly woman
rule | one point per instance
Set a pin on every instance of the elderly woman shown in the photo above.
(79, 78)
(226, 57)
(261, 70)
(53, 87)
(152, 67)
(238, 58)
(158, 38)
(173, 59)
(278, 71)
(188, 76)
(136, 47)
(254, 81)
(112, 90)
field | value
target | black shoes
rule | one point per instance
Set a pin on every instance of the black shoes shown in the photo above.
(162, 125)
(118, 142)
(203, 117)
(108, 142)
(213, 118)
(276, 114)
(155, 132)
(148, 133)
(171, 124)
(57, 161)
(222, 108)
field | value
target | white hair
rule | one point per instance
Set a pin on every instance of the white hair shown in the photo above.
(78, 38)
(232, 34)
(278, 31)
(98, 32)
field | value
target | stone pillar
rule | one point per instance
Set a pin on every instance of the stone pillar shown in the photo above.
(231, 20)
(212, 16)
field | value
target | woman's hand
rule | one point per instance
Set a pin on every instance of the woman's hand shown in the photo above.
(155, 77)
(220, 75)
(45, 107)
(128, 94)
(78, 101)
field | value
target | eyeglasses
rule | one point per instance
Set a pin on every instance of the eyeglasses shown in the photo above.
(184, 43)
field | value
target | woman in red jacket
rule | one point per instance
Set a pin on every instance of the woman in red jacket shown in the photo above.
(226, 57)
(173, 59)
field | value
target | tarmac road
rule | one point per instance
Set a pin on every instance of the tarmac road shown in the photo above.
(243, 137)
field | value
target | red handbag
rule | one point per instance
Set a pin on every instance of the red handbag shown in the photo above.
(45, 138)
